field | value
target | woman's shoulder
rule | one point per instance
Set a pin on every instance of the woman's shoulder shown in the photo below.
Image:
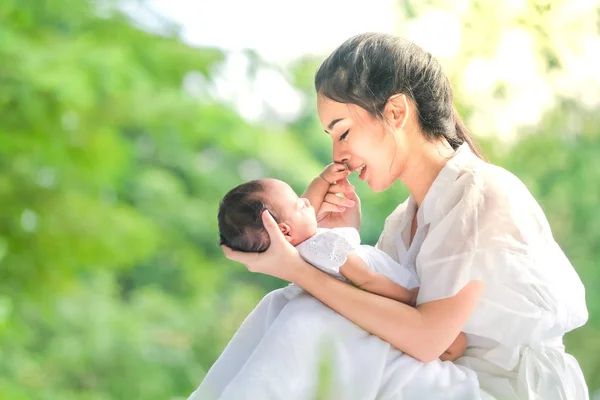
(486, 190)
(498, 186)
(492, 192)
(492, 182)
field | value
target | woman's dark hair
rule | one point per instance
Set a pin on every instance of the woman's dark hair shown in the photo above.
(240, 218)
(368, 69)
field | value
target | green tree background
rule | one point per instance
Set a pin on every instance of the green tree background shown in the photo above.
(111, 282)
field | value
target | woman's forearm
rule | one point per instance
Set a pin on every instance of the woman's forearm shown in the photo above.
(385, 287)
(363, 277)
(396, 323)
(424, 332)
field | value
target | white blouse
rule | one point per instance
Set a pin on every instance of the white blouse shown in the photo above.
(479, 222)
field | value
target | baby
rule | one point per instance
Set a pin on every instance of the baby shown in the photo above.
(336, 251)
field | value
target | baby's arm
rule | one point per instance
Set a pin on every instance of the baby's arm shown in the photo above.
(357, 272)
(319, 187)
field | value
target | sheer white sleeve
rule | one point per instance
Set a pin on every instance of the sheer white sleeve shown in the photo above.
(497, 233)
(329, 249)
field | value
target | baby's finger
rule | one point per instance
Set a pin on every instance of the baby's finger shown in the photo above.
(334, 172)
(339, 175)
(338, 200)
(338, 167)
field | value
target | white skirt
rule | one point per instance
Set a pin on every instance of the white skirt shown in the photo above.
(292, 346)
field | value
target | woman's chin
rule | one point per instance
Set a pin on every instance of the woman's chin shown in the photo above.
(378, 185)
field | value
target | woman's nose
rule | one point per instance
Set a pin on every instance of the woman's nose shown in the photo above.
(339, 155)
(341, 160)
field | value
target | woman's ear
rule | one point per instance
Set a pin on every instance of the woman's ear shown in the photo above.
(286, 230)
(397, 110)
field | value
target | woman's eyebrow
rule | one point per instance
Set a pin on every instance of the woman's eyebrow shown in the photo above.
(332, 124)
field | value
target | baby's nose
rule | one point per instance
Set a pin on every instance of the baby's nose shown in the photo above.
(306, 202)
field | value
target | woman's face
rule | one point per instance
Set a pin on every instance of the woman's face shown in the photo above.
(361, 141)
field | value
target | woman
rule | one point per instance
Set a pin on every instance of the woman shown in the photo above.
(480, 244)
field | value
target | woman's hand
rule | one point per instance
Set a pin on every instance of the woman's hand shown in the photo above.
(456, 349)
(281, 259)
(337, 211)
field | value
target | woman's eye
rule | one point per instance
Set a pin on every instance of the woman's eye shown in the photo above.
(344, 135)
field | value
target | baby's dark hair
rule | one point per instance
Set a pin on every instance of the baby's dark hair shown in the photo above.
(240, 218)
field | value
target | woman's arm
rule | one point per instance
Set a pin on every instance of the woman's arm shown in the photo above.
(424, 332)
(357, 272)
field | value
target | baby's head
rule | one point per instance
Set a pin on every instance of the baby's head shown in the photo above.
(240, 222)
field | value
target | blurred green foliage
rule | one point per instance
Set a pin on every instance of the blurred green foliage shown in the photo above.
(111, 169)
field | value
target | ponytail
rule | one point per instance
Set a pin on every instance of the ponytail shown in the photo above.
(462, 134)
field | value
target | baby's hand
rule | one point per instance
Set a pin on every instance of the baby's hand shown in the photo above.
(334, 172)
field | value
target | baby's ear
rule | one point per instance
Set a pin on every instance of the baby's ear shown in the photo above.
(286, 230)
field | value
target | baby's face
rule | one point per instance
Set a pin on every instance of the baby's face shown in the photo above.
(293, 211)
